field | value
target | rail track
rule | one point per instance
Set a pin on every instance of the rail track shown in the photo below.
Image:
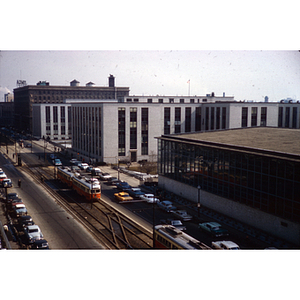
(109, 226)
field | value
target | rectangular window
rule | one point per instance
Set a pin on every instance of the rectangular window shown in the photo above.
(280, 116)
(263, 116)
(62, 114)
(133, 128)
(253, 116)
(244, 116)
(121, 131)
(149, 100)
(55, 116)
(218, 117)
(177, 119)
(188, 119)
(160, 100)
(167, 119)
(287, 117)
(294, 123)
(198, 119)
(206, 118)
(144, 131)
(212, 118)
(223, 117)
(47, 114)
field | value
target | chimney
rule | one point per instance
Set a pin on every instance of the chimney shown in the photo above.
(111, 81)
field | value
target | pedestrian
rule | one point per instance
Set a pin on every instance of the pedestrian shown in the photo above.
(19, 183)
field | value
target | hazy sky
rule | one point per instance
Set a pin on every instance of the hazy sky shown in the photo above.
(246, 75)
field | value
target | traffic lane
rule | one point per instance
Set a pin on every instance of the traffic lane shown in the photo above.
(59, 228)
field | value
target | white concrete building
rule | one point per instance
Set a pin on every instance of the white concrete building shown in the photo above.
(107, 130)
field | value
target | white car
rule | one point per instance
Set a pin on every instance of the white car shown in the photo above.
(225, 245)
(2, 175)
(182, 214)
(150, 198)
(83, 166)
(57, 162)
(105, 176)
(33, 232)
(7, 183)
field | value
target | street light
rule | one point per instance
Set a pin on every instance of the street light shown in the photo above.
(198, 204)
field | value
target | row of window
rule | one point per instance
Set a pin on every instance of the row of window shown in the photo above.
(87, 134)
(266, 183)
(133, 130)
(170, 100)
(215, 118)
(288, 117)
(55, 123)
(254, 114)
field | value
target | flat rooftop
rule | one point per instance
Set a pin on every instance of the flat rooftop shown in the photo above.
(282, 140)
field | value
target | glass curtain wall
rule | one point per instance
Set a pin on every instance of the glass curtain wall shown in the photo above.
(263, 182)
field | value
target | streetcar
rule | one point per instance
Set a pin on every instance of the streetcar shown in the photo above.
(169, 237)
(90, 188)
(65, 175)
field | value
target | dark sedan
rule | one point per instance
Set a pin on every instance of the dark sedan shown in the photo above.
(123, 186)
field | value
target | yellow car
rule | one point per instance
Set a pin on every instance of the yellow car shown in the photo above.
(123, 196)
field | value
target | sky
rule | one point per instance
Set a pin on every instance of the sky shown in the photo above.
(244, 74)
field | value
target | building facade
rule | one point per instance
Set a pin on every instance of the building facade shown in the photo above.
(52, 120)
(43, 92)
(127, 130)
(251, 174)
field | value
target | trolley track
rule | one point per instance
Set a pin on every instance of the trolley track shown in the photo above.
(109, 226)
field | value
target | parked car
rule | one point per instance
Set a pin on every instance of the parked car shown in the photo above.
(182, 214)
(73, 161)
(25, 221)
(176, 223)
(150, 198)
(123, 196)
(83, 166)
(105, 176)
(89, 169)
(123, 186)
(96, 171)
(11, 196)
(57, 162)
(7, 183)
(225, 245)
(19, 210)
(32, 233)
(13, 202)
(214, 228)
(2, 175)
(135, 193)
(40, 244)
(113, 181)
(166, 205)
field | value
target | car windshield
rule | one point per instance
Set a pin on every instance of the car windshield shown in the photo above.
(33, 230)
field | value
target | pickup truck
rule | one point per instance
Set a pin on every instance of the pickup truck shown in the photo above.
(214, 228)
(225, 245)
(176, 223)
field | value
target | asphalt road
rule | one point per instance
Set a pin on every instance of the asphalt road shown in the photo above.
(59, 228)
